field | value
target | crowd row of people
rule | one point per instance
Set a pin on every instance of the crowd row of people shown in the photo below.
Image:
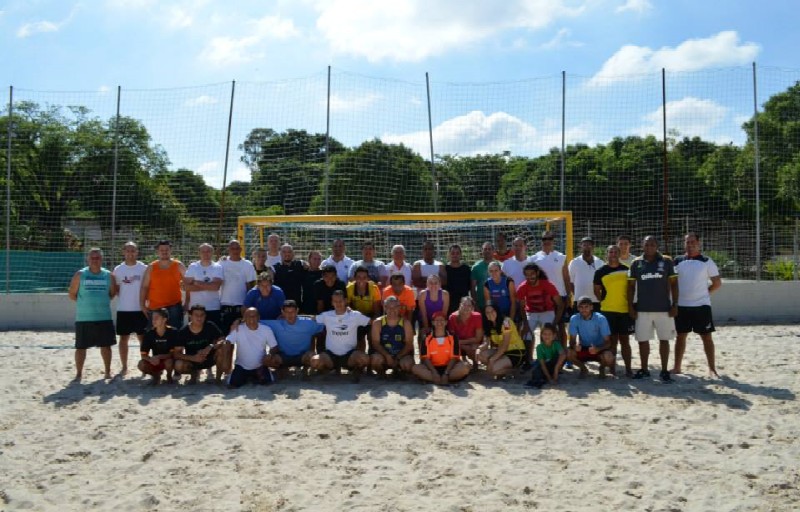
(249, 319)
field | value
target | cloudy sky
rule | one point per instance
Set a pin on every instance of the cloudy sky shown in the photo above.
(495, 67)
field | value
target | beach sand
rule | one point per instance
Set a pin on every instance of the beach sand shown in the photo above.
(329, 444)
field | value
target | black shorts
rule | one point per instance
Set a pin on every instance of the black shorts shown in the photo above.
(291, 361)
(95, 334)
(694, 319)
(228, 315)
(619, 323)
(339, 361)
(517, 357)
(240, 376)
(215, 317)
(567, 314)
(209, 362)
(131, 322)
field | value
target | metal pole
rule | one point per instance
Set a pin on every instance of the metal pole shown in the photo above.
(794, 249)
(563, 135)
(665, 192)
(327, 142)
(430, 135)
(225, 170)
(758, 178)
(116, 170)
(8, 189)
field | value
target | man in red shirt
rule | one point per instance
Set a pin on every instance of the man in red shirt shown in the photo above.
(541, 300)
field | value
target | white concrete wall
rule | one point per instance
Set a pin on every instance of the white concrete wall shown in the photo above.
(737, 302)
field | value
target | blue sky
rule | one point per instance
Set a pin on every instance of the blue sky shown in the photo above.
(93, 46)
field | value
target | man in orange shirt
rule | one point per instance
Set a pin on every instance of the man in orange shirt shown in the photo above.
(161, 285)
(397, 288)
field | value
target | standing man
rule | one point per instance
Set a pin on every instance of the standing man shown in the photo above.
(555, 265)
(503, 251)
(259, 260)
(398, 263)
(92, 288)
(130, 320)
(161, 285)
(339, 260)
(273, 249)
(202, 282)
(375, 268)
(480, 273)
(695, 270)
(652, 280)
(611, 287)
(581, 273)
(313, 274)
(427, 266)
(624, 244)
(238, 276)
(290, 274)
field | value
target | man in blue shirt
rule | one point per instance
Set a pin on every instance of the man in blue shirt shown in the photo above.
(595, 339)
(295, 337)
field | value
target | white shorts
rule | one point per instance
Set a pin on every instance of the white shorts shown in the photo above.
(542, 318)
(662, 323)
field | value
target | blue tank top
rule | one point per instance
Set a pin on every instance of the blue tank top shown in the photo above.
(432, 306)
(392, 337)
(94, 303)
(498, 294)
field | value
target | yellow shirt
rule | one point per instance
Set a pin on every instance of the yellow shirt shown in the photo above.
(363, 304)
(515, 343)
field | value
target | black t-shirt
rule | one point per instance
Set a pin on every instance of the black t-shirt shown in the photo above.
(289, 278)
(159, 345)
(193, 343)
(309, 306)
(459, 281)
(325, 294)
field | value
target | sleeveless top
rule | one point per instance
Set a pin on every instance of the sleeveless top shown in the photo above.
(392, 338)
(94, 303)
(432, 306)
(165, 286)
(498, 294)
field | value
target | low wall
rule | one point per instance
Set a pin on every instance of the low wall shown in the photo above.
(737, 302)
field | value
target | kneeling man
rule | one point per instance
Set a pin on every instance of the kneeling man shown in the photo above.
(342, 346)
(595, 338)
(392, 340)
(296, 337)
(160, 341)
(200, 346)
(251, 340)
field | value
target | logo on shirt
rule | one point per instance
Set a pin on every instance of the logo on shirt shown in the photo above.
(652, 275)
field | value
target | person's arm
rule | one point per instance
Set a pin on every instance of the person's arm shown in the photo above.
(558, 302)
(408, 341)
(443, 275)
(673, 285)
(113, 288)
(74, 285)
(377, 304)
(144, 290)
(716, 283)
(501, 349)
(321, 306)
(512, 294)
(543, 366)
(375, 338)
(569, 283)
(416, 276)
(423, 313)
(487, 296)
(562, 356)
(598, 292)
(565, 276)
(631, 293)
(445, 301)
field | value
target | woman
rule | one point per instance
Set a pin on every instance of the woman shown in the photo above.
(432, 299)
(467, 326)
(504, 349)
(440, 358)
(501, 291)
(457, 278)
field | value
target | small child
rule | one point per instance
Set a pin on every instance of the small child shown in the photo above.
(550, 355)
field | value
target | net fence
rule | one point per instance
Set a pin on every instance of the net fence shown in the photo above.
(184, 164)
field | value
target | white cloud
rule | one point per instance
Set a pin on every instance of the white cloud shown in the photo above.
(224, 50)
(694, 117)
(413, 30)
(201, 100)
(343, 104)
(177, 18)
(560, 40)
(637, 6)
(45, 26)
(208, 167)
(719, 50)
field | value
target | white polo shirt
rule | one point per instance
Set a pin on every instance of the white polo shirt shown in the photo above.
(553, 264)
(694, 274)
(581, 274)
(342, 266)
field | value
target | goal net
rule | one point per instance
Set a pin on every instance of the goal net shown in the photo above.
(469, 230)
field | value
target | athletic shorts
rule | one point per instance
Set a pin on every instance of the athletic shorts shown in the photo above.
(131, 322)
(694, 319)
(517, 357)
(215, 317)
(620, 323)
(208, 363)
(660, 322)
(228, 315)
(340, 361)
(584, 355)
(542, 318)
(95, 334)
(240, 376)
(160, 366)
(291, 361)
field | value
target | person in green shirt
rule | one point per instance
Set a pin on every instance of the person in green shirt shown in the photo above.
(550, 356)
(480, 273)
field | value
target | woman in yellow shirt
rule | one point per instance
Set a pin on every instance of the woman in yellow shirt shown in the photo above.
(503, 349)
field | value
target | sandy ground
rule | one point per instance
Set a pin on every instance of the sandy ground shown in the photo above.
(329, 444)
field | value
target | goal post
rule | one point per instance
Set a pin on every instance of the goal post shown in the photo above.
(467, 229)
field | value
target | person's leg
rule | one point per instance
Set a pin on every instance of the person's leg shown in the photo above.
(572, 357)
(80, 359)
(502, 366)
(537, 375)
(708, 347)
(625, 349)
(356, 363)
(377, 364)
(644, 355)
(424, 373)
(458, 372)
(238, 378)
(105, 353)
(406, 363)
(123, 353)
(321, 362)
(607, 360)
(680, 349)
(663, 352)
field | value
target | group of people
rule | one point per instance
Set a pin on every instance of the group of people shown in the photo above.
(250, 320)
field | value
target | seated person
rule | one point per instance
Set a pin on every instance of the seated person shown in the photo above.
(265, 297)
(160, 340)
(397, 288)
(392, 340)
(296, 337)
(504, 349)
(251, 340)
(441, 361)
(430, 301)
(342, 348)
(467, 325)
(594, 334)
(550, 356)
(200, 346)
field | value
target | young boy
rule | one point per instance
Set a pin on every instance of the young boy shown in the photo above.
(549, 356)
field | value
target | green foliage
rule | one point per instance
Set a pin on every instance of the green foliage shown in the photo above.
(781, 270)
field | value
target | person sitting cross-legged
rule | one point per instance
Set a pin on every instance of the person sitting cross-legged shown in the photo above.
(441, 361)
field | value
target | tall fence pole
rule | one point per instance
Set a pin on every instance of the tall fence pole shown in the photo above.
(8, 188)
(665, 191)
(430, 135)
(758, 175)
(563, 135)
(116, 171)
(327, 142)
(225, 171)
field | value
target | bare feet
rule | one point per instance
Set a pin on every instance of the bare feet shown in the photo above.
(108, 376)
(676, 370)
(123, 372)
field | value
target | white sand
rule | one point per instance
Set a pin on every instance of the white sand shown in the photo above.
(328, 444)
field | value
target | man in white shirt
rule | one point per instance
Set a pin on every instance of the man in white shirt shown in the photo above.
(339, 260)
(343, 348)
(273, 249)
(513, 267)
(130, 319)
(251, 340)
(398, 265)
(581, 274)
(202, 282)
(375, 268)
(698, 278)
(238, 276)
(427, 266)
